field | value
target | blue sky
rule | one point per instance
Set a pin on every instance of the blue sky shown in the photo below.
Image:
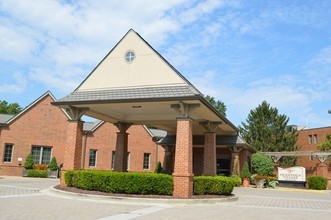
(240, 52)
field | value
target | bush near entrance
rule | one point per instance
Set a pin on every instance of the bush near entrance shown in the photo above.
(145, 183)
(214, 185)
(317, 182)
(121, 182)
(262, 165)
(37, 173)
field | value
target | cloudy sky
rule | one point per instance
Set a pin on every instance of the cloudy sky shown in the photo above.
(240, 52)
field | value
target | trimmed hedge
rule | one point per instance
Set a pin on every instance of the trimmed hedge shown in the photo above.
(121, 182)
(317, 182)
(37, 173)
(145, 183)
(214, 185)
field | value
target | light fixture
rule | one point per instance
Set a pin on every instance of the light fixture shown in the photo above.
(136, 106)
(329, 111)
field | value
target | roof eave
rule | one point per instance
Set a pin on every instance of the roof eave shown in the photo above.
(110, 101)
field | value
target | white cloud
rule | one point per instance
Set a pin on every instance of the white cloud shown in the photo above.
(18, 85)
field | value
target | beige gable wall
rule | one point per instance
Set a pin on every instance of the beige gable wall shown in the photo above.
(147, 69)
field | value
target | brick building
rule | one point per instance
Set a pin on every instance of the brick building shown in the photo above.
(131, 88)
(40, 129)
(308, 140)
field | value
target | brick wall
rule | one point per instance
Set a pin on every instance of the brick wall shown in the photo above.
(42, 124)
(304, 145)
(139, 142)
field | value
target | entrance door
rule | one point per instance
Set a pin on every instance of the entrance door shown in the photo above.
(223, 165)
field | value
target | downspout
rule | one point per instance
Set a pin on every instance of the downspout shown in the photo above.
(84, 150)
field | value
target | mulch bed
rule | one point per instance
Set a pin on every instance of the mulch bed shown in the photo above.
(88, 192)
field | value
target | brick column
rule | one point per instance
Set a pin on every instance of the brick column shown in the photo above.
(235, 163)
(121, 163)
(209, 162)
(183, 171)
(167, 164)
(73, 149)
(322, 170)
(121, 154)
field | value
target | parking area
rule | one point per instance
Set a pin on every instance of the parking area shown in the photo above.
(30, 198)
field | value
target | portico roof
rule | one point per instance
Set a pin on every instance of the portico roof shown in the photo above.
(135, 84)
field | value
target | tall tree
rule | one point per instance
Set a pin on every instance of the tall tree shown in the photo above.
(325, 145)
(219, 105)
(266, 130)
(12, 108)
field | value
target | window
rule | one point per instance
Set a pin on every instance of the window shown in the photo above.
(112, 160)
(315, 139)
(146, 162)
(129, 56)
(41, 155)
(8, 153)
(93, 158)
(310, 139)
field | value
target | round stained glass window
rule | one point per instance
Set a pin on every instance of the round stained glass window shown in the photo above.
(129, 56)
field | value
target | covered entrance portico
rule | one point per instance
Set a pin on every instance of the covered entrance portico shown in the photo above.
(135, 85)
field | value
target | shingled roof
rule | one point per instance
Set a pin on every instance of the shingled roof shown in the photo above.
(114, 95)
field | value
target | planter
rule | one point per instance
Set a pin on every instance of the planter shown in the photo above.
(24, 173)
(53, 173)
(246, 182)
(260, 183)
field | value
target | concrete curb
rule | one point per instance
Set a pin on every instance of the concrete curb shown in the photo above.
(138, 201)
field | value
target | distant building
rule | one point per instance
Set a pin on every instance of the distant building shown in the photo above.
(308, 140)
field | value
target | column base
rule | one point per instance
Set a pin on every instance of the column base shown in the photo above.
(183, 185)
(62, 178)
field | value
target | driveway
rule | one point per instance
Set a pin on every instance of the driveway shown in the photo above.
(30, 198)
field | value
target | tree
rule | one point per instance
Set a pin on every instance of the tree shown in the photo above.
(12, 108)
(53, 164)
(266, 130)
(219, 105)
(262, 165)
(325, 145)
(28, 164)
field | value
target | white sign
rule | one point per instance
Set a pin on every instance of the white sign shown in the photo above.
(292, 174)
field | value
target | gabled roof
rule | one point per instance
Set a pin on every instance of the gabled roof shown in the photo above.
(5, 117)
(145, 91)
(92, 126)
(150, 76)
(48, 93)
(156, 133)
(116, 95)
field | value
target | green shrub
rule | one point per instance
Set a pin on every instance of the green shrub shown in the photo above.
(262, 164)
(158, 168)
(317, 182)
(237, 181)
(213, 185)
(245, 171)
(37, 173)
(120, 182)
(53, 164)
(28, 164)
(68, 178)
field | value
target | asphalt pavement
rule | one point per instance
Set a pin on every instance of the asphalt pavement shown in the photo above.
(34, 198)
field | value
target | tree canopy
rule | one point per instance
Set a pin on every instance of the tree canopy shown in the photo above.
(325, 145)
(267, 130)
(12, 108)
(219, 105)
